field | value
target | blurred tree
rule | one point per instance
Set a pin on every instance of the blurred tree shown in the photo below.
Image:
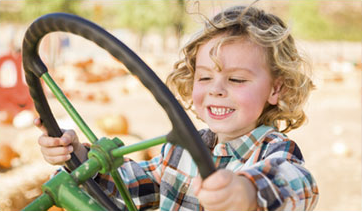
(10, 12)
(176, 18)
(153, 15)
(32, 9)
(327, 20)
(312, 19)
(28, 10)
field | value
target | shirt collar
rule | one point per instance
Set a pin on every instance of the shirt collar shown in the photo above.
(241, 147)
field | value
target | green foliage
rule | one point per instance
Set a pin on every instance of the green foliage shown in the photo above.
(143, 16)
(35, 8)
(311, 19)
(32, 9)
(311, 23)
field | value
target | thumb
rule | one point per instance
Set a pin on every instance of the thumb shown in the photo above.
(39, 124)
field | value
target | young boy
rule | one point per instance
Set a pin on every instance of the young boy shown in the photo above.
(243, 77)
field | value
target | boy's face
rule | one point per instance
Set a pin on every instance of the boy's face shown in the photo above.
(230, 101)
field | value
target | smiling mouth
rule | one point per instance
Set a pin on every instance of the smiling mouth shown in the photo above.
(220, 111)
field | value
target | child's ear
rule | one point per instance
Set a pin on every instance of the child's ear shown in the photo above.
(276, 90)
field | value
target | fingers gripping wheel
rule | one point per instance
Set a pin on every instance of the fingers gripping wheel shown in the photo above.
(183, 133)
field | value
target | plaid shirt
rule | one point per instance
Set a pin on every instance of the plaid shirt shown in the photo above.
(272, 162)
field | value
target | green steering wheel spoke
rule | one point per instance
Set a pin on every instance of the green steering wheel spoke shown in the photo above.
(42, 203)
(119, 152)
(69, 107)
(87, 170)
(123, 190)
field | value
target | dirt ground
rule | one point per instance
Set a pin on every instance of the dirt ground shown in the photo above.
(330, 140)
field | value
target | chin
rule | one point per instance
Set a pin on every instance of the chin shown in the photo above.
(220, 129)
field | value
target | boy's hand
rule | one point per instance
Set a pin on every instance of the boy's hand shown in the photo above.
(56, 151)
(224, 190)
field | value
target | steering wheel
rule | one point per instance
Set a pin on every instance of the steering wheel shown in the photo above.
(183, 132)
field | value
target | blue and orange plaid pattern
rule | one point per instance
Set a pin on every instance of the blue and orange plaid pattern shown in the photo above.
(267, 157)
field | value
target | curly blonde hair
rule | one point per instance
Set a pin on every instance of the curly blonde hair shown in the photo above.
(269, 32)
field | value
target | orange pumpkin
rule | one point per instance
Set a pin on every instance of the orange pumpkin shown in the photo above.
(55, 208)
(7, 154)
(113, 124)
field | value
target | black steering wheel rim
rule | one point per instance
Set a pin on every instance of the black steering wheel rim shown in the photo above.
(183, 131)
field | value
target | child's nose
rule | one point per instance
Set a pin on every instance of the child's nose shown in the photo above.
(217, 89)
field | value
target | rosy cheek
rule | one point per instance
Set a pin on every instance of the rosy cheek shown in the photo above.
(246, 99)
(197, 96)
(251, 101)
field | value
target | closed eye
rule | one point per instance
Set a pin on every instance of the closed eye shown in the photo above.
(237, 80)
(204, 78)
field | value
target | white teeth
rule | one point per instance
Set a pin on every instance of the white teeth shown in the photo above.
(220, 111)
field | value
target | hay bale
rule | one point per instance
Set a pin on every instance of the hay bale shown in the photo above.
(22, 185)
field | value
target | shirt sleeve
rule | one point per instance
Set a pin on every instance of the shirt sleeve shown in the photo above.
(142, 180)
(282, 181)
